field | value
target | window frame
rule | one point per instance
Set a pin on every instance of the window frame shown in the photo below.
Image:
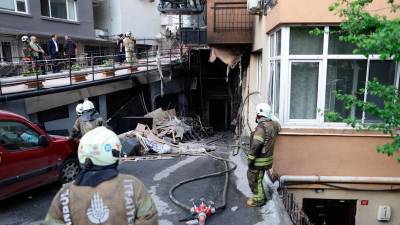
(285, 78)
(272, 61)
(16, 8)
(67, 11)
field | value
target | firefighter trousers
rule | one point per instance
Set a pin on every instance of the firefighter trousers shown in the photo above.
(255, 177)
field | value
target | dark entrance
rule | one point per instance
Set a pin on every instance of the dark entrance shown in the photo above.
(218, 114)
(330, 211)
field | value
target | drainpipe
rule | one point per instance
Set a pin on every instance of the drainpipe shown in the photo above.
(339, 179)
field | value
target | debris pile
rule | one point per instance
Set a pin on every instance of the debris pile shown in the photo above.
(168, 135)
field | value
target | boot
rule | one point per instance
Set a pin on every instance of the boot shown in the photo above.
(254, 203)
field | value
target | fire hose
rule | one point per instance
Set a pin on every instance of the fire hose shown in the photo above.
(201, 210)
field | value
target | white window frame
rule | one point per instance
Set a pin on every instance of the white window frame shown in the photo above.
(67, 8)
(16, 9)
(285, 73)
(272, 65)
(259, 71)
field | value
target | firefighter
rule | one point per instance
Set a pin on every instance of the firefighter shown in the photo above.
(100, 194)
(86, 122)
(261, 153)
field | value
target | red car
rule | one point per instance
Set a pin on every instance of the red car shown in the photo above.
(30, 158)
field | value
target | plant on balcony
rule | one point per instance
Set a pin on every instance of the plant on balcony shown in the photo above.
(78, 77)
(371, 34)
(36, 83)
(108, 63)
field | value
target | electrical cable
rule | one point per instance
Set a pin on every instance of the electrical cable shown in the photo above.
(227, 170)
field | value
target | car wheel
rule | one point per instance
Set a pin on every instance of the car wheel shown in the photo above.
(69, 170)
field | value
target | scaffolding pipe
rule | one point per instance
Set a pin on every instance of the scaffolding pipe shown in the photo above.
(339, 179)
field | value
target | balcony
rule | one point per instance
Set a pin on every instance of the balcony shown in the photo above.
(194, 36)
(228, 22)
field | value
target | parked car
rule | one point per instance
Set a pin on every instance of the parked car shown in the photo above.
(30, 158)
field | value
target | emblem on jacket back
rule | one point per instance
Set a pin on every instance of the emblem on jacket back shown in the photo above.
(98, 213)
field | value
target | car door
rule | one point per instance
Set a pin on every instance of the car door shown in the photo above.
(24, 163)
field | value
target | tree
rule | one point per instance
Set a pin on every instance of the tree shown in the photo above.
(371, 34)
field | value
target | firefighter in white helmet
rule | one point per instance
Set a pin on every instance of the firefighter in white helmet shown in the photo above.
(87, 121)
(100, 194)
(261, 151)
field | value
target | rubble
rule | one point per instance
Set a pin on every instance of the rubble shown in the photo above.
(168, 135)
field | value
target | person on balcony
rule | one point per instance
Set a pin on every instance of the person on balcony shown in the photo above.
(129, 43)
(26, 53)
(70, 49)
(37, 56)
(121, 49)
(261, 152)
(54, 52)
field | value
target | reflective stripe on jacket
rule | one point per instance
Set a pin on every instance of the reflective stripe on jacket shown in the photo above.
(262, 143)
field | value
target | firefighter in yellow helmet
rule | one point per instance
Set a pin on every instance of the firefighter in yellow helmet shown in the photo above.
(100, 194)
(261, 151)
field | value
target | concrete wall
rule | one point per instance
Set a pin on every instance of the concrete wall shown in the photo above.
(313, 11)
(35, 23)
(366, 214)
(332, 154)
(141, 17)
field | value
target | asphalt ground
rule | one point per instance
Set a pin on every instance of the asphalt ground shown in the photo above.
(158, 176)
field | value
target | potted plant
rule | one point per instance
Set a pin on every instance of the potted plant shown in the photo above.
(108, 63)
(36, 83)
(78, 77)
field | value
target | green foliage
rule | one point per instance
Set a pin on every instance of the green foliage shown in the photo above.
(75, 67)
(108, 63)
(371, 34)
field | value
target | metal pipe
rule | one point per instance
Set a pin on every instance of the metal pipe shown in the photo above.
(339, 179)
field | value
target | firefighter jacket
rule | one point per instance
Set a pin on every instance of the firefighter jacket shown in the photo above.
(262, 144)
(81, 126)
(122, 200)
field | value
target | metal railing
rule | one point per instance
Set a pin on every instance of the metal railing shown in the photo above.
(232, 17)
(296, 214)
(25, 74)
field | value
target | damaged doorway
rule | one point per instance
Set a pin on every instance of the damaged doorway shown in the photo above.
(218, 114)
(330, 211)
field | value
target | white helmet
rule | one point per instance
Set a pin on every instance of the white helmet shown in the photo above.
(264, 110)
(128, 34)
(24, 38)
(101, 146)
(79, 109)
(87, 106)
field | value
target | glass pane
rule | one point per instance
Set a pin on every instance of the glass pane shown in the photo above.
(304, 90)
(339, 47)
(21, 6)
(271, 82)
(7, 4)
(58, 9)
(272, 45)
(278, 43)
(44, 6)
(277, 87)
(15, 136)
(346, 76)
(302, 43)
(384, 72)
(71, 10)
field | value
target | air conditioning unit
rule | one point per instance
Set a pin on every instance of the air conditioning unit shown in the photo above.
(254, 6)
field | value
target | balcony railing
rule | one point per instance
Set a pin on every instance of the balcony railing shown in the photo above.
(232, 17)
(25, 75)
(194, 36)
